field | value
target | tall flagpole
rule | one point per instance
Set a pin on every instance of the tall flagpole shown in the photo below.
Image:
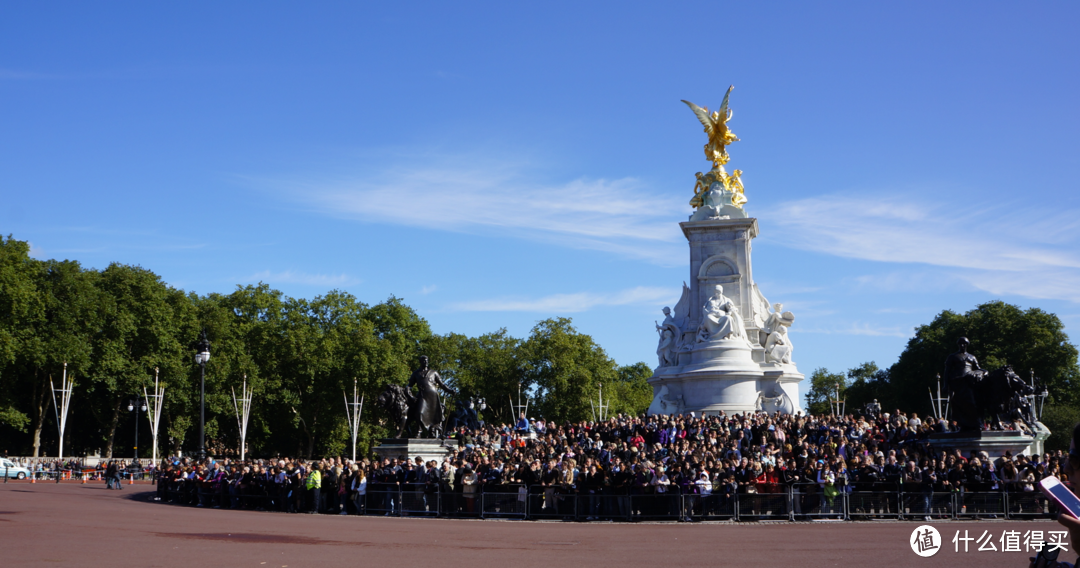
(243, 410)
(353, 410)
(62, 408)
(154, 402)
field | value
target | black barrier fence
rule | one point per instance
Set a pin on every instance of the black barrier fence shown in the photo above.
(800, 502)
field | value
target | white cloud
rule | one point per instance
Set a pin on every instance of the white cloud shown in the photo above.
(36, 251)
(1001, 250)
(428, 289)
(294, 277)
(862, 329)
(483, 196)
(572, 303)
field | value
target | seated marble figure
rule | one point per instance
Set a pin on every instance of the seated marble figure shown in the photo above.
(720, 318)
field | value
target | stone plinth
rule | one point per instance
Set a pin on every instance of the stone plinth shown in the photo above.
(708, 375)
(993, 442)
(411, 448)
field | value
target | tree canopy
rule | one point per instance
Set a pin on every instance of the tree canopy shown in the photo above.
(115, 327)
(1000, 334)
(1029, 340)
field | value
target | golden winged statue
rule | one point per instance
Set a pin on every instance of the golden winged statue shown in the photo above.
(716, 127)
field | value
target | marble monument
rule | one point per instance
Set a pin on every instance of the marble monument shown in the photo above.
(724, 347)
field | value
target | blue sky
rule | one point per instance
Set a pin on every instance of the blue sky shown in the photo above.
(497, 164)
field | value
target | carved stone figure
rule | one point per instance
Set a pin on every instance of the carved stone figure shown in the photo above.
(427, 408)
(775, 329)
(778, 401)
(778, 347)
(664, 403)
(667, 352)
(673, 331)
(720, 318)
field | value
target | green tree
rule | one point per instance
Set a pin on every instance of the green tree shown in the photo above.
(140, 320)
(631, 394)
(823, 389)
(22, 313)
(564, 369)
(489, 366)
(72, 317)
(1000, 334)
(866, 383)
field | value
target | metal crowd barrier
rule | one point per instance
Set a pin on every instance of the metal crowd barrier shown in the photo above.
(796, 502)
(1026, 504)
(981, 504)
(505, 504)
(874, 501)
(810, 501)
(763, 506)
(712, 507)
(415, 501)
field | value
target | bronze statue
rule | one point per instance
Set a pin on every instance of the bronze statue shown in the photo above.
(395, 402)
(427, 407)
(975, 392)
(466, 414)
(962, 374)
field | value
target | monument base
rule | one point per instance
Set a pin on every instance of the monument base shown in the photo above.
(411, 448)
(994, 442)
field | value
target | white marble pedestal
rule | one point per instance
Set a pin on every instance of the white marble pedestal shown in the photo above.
(730, 374)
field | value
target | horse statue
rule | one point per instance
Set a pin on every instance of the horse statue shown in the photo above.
(395, 401)
(1001, 393)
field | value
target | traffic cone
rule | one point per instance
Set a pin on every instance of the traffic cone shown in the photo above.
(32, 476)
(131, 480)
(84, 479)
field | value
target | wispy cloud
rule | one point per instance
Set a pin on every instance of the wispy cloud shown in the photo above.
(294, 277)
(428, 289)
(489, 197)
(36, 251)
(572, 303)
(1000, 250)
(861, 329)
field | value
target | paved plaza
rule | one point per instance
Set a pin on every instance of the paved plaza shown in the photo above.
(71, 524)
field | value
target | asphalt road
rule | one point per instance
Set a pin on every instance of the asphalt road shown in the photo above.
(70, 524)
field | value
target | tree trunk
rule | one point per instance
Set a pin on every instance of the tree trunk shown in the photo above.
(112, 429)
(40, 390)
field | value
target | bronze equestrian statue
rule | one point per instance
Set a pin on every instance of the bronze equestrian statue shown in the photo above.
(427, 409)
(424, 410)
(975, 392)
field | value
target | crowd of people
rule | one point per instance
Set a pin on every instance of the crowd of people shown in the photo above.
(711, 459)
(93, 469)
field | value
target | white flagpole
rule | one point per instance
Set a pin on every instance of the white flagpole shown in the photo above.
(154, 402)
(62, 408)
(353, 410)
(243, 410)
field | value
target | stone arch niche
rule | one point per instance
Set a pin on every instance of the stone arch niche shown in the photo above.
(720, 270)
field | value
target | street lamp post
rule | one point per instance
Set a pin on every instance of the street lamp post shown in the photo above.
(202, 355)
(136, 405)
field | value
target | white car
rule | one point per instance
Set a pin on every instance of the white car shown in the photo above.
(10, 469)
